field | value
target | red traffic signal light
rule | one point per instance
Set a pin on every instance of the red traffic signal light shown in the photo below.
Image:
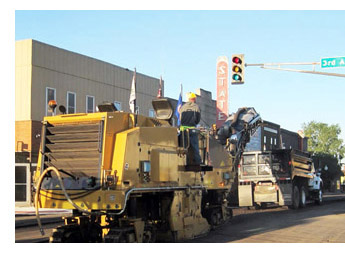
(236, 60)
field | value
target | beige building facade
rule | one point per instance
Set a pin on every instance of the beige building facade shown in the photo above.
(207, 106)
(44, 72)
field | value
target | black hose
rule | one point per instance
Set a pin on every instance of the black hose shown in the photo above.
(239, 111)
(63, 189)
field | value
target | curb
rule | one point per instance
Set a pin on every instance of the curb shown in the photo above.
(32, 221)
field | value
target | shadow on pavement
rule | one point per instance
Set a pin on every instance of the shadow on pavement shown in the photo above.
(246, 223)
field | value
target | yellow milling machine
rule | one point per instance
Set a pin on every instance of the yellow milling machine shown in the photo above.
(130, 178)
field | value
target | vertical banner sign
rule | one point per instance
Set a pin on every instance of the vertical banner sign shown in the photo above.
(222, 90)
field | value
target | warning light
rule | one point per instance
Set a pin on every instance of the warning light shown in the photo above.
(237, 75)
(52, 103)
(51, 106)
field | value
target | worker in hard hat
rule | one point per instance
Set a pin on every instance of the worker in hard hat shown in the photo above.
(190, 117)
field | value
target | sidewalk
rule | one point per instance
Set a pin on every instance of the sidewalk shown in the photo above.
(26, 216)
(337, 195)
(30, 210)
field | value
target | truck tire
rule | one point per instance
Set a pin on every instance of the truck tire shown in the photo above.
(295, 197)
(319, 197)
(303, 197)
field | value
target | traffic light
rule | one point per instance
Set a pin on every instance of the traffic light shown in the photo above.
(237, 69)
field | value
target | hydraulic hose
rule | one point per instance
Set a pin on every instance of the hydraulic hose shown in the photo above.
(84, 210)
(63, 189)
(237, 114)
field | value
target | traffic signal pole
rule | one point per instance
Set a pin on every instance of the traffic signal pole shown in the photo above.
(277, 66)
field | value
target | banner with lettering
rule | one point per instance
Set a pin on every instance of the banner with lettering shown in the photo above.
(222, 90)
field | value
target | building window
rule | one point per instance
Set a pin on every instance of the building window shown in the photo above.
(275, 141)
(118, 105)
(71, 102)
(271, 141)
(90, 104)
(151, 113)
(264, 138)
(21, 183)
(50, 95)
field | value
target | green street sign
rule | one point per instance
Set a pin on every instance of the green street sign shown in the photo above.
(332, 62)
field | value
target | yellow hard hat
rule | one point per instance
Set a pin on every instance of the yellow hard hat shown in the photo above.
(191, 95)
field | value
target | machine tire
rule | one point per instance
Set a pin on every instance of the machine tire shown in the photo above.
(115, 237)
(264, 205)
(319, 198)
(149, 234)
(295, 197)
(66, 234)
(95, 233)
(174, 236)
(302, 197)
(213, 216)
(56, 237)
(122, 238)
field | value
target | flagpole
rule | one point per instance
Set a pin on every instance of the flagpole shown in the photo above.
(133, 98)
(159, 94)
(181, 92)
(135, 101)
(178, 107)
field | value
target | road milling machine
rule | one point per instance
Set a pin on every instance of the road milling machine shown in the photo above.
(129, 178)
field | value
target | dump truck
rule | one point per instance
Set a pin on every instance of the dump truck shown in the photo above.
(283, 177)
(129, 178)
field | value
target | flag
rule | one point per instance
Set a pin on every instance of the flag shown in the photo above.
(178, 107)
(159, 95)
(132, 97)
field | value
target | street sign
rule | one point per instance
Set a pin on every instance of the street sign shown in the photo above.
(332, 62)
(222, 90)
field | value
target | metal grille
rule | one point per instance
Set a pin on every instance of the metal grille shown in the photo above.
(74, 148)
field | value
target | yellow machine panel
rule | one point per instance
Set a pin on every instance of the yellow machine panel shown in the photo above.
(162, 164)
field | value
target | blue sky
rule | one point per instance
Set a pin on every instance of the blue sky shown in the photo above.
(183, 47)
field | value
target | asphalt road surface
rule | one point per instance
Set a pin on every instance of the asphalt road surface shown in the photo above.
(312, 224)
(315, 224)
(27, 230)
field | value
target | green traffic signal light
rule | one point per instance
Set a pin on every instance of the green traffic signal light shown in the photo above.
(236, 77)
